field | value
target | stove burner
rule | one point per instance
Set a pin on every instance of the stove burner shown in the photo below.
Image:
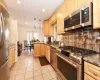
(79, 51)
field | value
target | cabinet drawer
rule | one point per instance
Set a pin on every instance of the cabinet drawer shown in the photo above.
(92, 70)
(87, 77)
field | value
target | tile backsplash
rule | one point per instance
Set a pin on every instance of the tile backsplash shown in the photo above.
(89, 39)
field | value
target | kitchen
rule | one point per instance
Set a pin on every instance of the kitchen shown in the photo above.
(70, 48)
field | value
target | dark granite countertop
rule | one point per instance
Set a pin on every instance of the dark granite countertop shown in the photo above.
(93, 59)
(55, 46)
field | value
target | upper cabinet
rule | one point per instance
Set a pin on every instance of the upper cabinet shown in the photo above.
(96, 14)
(47, 28)
(1, 3)
(81, 2)
(53, 19)
(70, 6)
(60, 19)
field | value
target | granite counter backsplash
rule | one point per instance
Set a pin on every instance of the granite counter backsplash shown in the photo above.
(83, 39)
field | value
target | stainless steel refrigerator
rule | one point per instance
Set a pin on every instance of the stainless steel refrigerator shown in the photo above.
(4, 44)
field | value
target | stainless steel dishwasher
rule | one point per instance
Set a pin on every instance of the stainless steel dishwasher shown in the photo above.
(53, 58)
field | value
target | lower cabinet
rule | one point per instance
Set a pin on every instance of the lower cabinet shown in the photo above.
(42, 50)
(91, 70)
(87, 77)
(47, 53)
(36, 50)
(11, 55)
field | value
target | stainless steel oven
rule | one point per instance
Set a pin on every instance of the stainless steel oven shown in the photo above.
(68, 69)
(87, 15)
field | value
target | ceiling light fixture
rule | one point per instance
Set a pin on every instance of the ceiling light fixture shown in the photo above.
(58, 15)
(26, 22)
(43, 10)
(18, 1)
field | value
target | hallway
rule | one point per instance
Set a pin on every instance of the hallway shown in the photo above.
(29, 68)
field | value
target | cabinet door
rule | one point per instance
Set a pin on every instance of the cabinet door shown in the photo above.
(50, 30)
(45, 27)
(53, 18)
(87, 77)
(48, 53)
(42, 50)
(92, 70)
(36, 50)
(96, 14)
(74, 5)
(11, 56)
(82, 2)
(60, 19)
(70, 6)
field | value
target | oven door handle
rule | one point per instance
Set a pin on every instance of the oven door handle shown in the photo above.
(74, 65)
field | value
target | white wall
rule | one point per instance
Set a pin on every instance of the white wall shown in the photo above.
(14, 34)
(22, 33)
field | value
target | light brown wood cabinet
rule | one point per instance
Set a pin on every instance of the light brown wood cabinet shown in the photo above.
(38, 50)
(92, 70)
(60, 19)
(87, 77)
(1, 3)
(96, 14)
(47, 28)
(70, 6)
(11, 55)
(42, 50)
(42, 47)
(53, 19)
(47, 53)
(82, 2)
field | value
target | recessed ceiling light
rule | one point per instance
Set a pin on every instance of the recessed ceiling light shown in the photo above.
(43, 10)
(26, 22)
(18, 1)
(58, 15)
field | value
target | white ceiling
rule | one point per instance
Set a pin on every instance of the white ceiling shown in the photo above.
(30, 9)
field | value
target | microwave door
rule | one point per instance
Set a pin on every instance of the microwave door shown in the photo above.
(67, 23)
(76, 19)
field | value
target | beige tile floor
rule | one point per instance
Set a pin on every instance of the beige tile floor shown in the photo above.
(29, 68)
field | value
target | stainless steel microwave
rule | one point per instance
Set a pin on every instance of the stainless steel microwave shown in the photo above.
(82, 17)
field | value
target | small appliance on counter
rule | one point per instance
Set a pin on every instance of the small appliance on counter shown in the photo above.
(48, 40)
(61, 44)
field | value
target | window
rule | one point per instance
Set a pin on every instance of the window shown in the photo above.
(36, 35)
(30, 36)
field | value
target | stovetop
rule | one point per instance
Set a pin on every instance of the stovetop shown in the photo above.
(76, 54)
